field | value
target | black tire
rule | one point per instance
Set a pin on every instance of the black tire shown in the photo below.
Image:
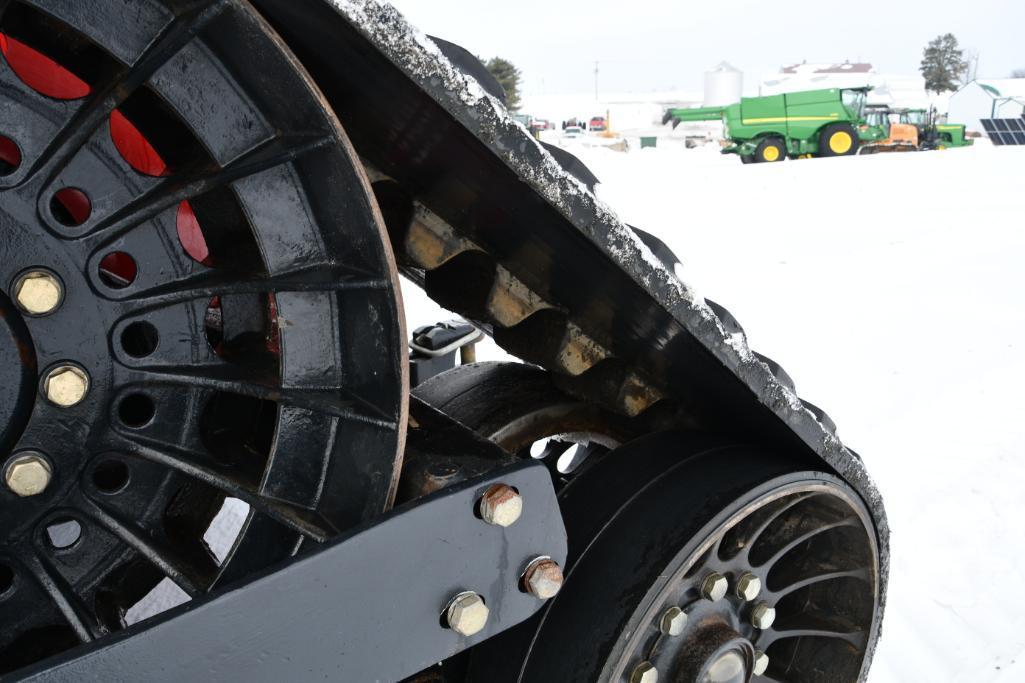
(838, 140)
(769, 150)
(746, 158)
(630, 520)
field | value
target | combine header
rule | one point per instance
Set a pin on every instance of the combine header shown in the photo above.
(205, 206)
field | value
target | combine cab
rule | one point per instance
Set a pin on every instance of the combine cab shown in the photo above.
(206, 406)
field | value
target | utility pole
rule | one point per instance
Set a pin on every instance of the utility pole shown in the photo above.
(596, 81)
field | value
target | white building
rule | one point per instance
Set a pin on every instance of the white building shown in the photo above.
(896, 90)
(987, 99)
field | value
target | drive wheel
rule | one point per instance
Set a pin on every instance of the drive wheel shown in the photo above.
(837, 140)
(694, 560)
(202, 357)
(770, 150)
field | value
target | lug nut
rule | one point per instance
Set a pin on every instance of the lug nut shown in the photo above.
(543, 578)
(714, 587)
(501, 505)
(762, 616)
(28, 475)
(673, 621)
(466, 613)
(38, 292)
(761, 663)
(748, 587)
(66, 386)
(645, 672)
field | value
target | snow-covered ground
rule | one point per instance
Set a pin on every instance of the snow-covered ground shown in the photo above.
(892, 288)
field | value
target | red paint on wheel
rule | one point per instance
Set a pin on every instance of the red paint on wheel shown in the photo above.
(41, 73)
(190, 234)
(134, 148)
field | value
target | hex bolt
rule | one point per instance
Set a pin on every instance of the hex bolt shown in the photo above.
(748, 587)
(645, 672)
(28, 475)
(763, 615)
(66, 386)
(761, 663)
(543, 578)
(38, 292)
(501, 505)
(674, 620)
(714, 587)
(466, 613)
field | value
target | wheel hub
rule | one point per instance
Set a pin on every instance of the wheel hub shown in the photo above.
(17, 375)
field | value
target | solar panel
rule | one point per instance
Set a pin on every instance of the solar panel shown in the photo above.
(1005, 131)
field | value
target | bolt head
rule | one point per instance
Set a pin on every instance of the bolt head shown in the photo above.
(66, 386)
(761, 663)
(501, 505)
(714, 587)
(673, 621)
(467, 614)
(763, 615)
(748, 587)
(28, 475)
(38, 293)
(543, 578)
(645, 672)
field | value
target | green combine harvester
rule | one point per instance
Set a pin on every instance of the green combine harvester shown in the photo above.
(821, 123)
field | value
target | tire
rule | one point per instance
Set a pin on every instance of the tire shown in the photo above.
(770, 150)
(746, 158)
(638, 523)
(838, 140)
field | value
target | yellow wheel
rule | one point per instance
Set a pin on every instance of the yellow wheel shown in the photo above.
(837, 140)
(840, 142)
(769, 150)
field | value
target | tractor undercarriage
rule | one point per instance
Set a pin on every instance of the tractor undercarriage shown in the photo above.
(204, 209)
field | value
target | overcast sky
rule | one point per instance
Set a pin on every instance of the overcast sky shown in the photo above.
(643, 45)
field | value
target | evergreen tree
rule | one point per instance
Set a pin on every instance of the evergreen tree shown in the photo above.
(509, 76)
(943, 64)
(1018, 73)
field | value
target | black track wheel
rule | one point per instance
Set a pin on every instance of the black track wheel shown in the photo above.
(838, 140)
(769, 150)
(651, 521)
(518, 407)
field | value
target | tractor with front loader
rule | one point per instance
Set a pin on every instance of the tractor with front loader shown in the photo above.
(812, 123)
(222, 458)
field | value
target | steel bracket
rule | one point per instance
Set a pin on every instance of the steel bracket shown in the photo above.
(366, 607)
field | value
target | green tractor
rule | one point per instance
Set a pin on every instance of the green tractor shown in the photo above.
(936, 135)
(821, 123)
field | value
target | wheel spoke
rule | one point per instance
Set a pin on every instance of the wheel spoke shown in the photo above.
(172, 191)
(194, 573)
(754, 536)
(861, 574)
(64, 597)
(244, 488)
(857, 639)
(851, 522)
(206, 283)
(175, 36)
(336, 401)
